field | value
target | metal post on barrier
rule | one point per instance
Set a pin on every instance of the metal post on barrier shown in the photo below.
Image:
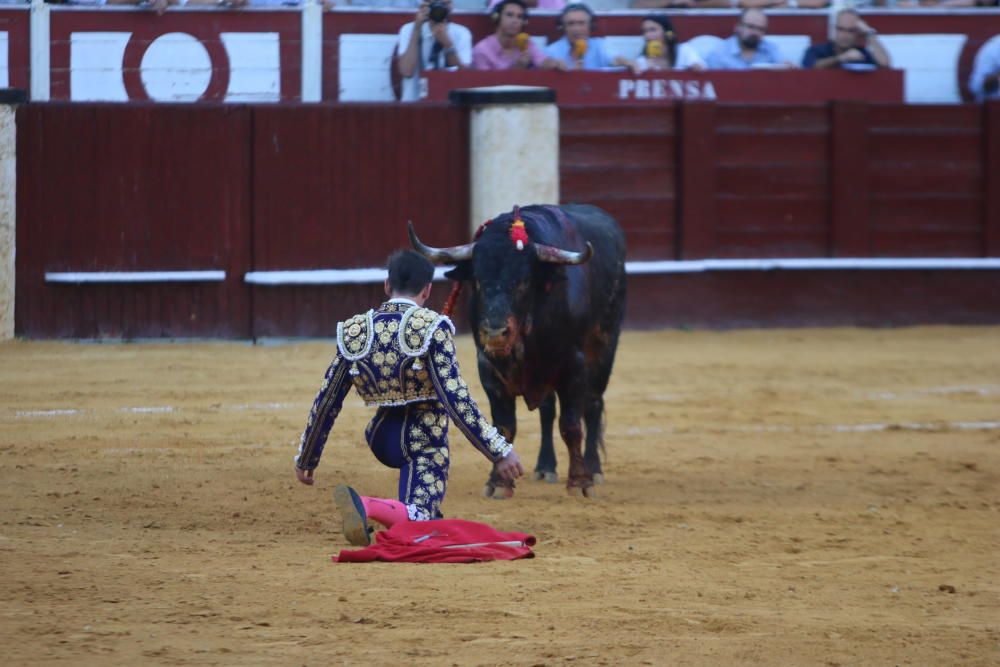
(513, 148)
(40, 45)
(9, 98)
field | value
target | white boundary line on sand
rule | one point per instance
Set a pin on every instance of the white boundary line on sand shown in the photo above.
(628, 432)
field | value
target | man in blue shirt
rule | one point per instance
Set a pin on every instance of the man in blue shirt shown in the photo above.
(854, 41)
(747, 47)
(577, 49)
(985, 79)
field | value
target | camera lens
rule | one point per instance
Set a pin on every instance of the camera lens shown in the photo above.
(437, 11)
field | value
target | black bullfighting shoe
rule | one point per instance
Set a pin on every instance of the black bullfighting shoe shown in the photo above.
(352, 511)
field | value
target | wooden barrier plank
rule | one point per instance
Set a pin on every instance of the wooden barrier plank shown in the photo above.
(613, 150)
(696, 218)
(927, 242)
(581, 184)
(924, 177)
(753, 148)
(943, 146)
(737, 243)
(927, 211)
(603, 120)
(923, 116)
(773, 214)
(804, 180)
(849, 179)
(770, 118)
(991, 180)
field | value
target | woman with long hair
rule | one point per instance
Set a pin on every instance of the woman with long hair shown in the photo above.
(661, 50)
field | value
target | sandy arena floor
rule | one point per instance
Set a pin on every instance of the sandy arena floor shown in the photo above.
(804, 497)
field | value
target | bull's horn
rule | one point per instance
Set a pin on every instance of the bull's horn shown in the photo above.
(547, 253)
(452, 255)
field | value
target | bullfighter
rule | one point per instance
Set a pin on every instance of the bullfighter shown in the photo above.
(400, 358)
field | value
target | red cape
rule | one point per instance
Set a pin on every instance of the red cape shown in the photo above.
(442, 541)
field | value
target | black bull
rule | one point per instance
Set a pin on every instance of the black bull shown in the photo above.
(546, 321)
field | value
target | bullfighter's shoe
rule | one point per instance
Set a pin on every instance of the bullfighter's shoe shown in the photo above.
(352, 511)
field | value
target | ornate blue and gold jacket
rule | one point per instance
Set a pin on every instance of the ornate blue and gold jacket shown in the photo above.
(398, 355)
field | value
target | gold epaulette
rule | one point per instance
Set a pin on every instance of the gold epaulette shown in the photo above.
(354, 336)
(417, 327)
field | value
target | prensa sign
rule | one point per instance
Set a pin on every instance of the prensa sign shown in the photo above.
(666, 89)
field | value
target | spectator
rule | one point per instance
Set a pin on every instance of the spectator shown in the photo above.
(661, 50)
(535, 4)
(578, 49)
(747, 47)
(509, 47)
(985, 79)
(854, 41)
(429, 42)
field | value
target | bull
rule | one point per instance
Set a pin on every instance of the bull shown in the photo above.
(546, 308)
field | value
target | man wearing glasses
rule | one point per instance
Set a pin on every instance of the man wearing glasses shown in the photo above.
(854, 43)
(747, 48)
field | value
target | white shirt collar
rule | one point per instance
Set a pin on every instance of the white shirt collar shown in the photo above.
(402, 299)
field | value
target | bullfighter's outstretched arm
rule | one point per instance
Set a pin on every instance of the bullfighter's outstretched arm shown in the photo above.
(326, 407)
(454, 395)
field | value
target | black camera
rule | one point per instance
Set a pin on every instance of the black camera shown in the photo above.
(437, 11)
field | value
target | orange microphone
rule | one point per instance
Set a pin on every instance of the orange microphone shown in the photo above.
(521, 40)
(579, 48)
(654, 49)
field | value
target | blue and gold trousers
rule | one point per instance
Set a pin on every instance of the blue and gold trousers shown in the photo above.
(413, 438)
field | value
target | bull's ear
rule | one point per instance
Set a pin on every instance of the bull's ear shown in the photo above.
(462, 271)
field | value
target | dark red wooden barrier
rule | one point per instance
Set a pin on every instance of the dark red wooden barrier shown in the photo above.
(105, 188)
(334, 187)
(624, 162)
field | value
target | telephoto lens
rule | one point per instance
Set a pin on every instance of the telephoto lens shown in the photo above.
(437, 11)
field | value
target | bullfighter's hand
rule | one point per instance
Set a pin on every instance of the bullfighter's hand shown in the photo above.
(509, 467)
(305, 476)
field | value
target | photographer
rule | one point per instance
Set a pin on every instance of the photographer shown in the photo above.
(431, 41)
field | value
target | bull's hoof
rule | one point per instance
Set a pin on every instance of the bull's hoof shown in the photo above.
(598, 478)
(546, 476)
(503, 493)
(498, 491)
(581, 487)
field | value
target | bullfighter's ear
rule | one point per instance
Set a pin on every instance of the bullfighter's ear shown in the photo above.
(462, 271)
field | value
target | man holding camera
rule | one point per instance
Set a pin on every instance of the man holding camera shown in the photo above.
(429, 42)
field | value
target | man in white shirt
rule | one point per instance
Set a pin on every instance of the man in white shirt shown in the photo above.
(430, 41)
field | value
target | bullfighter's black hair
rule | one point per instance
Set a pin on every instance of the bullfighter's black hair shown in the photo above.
(409, 272)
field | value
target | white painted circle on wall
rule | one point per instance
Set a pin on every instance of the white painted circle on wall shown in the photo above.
(176, 68)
